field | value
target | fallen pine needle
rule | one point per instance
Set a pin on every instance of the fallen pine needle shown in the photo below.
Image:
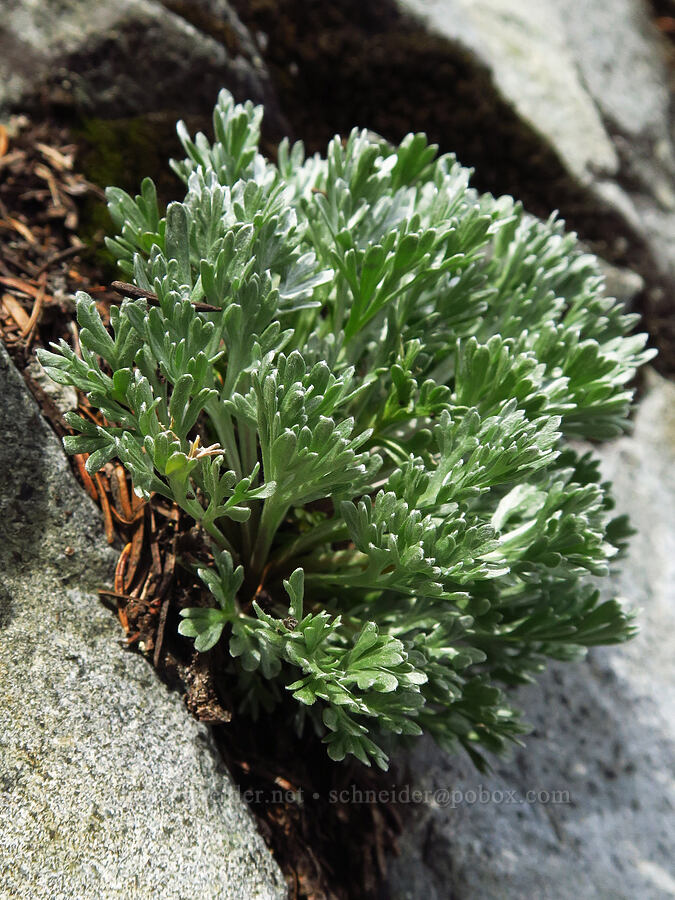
(105, 508)
(28, 330)
(131, 290)
(16, 310)
(20, 228)
(120, 570)
(47, 174)
(89, 486)
(58, 257)
(60, 160)
(20, 284)
(118, 484)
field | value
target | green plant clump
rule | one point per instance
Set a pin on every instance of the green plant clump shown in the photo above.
(373, 414)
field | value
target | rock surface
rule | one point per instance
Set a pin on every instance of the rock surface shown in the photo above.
(108, 789)
(604, 732)
(128, 57)
(526, 47)
(591, 77)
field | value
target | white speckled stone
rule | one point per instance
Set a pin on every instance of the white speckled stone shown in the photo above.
(108, 789)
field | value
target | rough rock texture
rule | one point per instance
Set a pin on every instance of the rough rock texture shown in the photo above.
(590, 76)
(108, 789)
(526, 47)
(604, 731)
(125, 57)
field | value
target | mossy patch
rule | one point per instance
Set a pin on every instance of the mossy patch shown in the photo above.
(122, 152)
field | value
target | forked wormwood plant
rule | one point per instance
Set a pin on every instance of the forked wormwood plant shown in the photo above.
(369, 427)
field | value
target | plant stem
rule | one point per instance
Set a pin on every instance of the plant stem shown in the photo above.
(222, 422)
(327, 531)
(194, 508)
(272, 517)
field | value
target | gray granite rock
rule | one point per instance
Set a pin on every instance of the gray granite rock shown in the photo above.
(118, 58)
(63, 396)
(525, 46)
(108, 789)
(591, 78)
(604, 739)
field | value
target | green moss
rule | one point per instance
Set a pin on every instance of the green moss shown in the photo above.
(122, 152)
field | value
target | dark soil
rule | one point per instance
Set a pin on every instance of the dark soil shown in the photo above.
(43, 261)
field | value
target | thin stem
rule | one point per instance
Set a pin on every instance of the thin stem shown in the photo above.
(249, 451)
(222, 422)
(219, 537)
(194, 508)
(271, 519)
(323, 533)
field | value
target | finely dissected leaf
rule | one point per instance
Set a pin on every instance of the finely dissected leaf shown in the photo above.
(368, 426)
